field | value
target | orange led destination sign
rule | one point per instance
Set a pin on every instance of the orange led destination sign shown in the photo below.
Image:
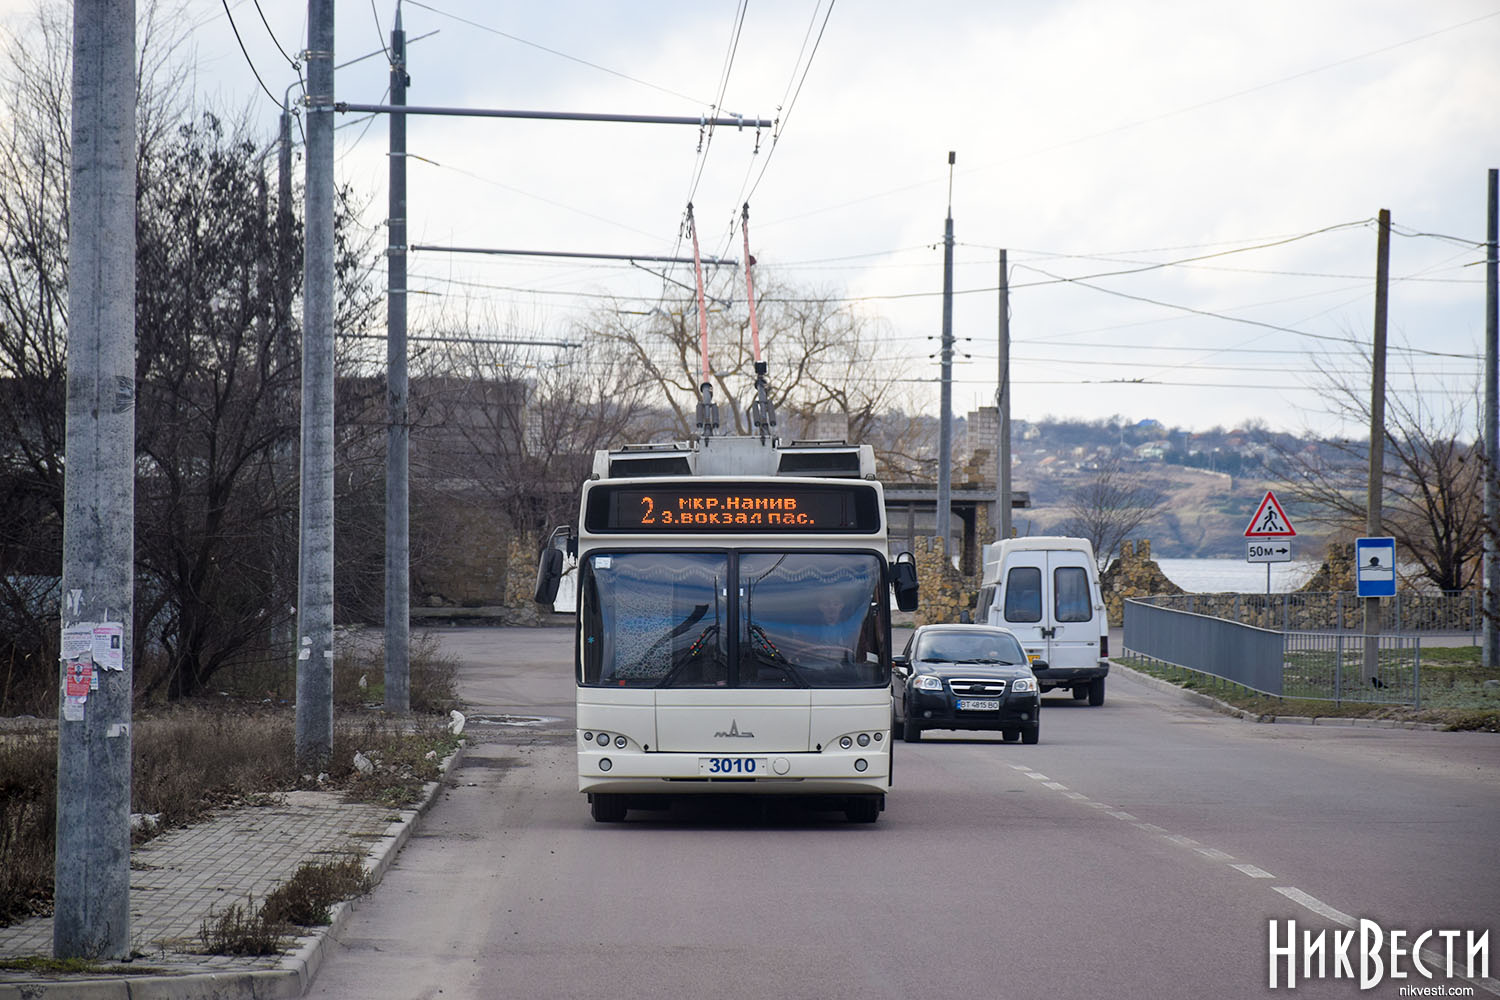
(734, 507)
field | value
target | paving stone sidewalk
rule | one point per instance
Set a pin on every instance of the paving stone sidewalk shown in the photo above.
(182, 877)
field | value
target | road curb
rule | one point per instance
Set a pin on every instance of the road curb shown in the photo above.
(298, 966)
(1224, 708)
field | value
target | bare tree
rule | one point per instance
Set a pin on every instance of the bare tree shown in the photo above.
(215, 373)
(1109, 507)
(826, 359)
(1432, 501)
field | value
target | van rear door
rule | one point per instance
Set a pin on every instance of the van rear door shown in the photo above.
(1048, 601)
(1074, 635)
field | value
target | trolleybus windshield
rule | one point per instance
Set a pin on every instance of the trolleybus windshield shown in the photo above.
(751, 619)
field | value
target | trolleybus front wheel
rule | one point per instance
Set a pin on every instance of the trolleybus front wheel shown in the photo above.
(863, 809)
(607, 808)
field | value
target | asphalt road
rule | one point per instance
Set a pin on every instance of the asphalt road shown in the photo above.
(1140, 850)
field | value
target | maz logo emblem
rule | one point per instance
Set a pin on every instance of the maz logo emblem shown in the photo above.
(734, 733)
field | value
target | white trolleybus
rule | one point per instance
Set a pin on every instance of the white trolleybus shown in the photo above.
(733, 625)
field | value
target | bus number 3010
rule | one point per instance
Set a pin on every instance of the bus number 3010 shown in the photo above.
(730, 765)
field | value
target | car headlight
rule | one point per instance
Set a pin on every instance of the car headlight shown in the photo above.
(927, 682)
(1024, 685)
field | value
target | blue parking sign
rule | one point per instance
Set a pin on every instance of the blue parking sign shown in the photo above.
(1375, 567)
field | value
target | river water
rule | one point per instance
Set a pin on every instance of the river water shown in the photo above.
(1207, 576)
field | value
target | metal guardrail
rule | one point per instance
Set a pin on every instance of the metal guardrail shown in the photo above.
(1321, 666)
(1450, 612)
(1245, 654)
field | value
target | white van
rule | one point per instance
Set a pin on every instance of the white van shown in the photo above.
(1045, 589)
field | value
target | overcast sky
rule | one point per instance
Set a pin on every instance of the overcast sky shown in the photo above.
(1092, 137)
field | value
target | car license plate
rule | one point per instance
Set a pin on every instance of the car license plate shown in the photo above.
(978, 705)
(732, 767)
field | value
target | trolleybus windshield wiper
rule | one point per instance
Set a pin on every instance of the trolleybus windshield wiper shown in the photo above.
(767, 653)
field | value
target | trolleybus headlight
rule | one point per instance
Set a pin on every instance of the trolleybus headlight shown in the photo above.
(879, 737)
(588, 737)
(605, 763)
(620, 742)
(927, 682)
(604, 739)
(845, 742)
(861, 764)
(864, 739)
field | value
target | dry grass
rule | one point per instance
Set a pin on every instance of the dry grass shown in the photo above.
(28, 816)
(307, 897)
(189, 761)
(241, 930)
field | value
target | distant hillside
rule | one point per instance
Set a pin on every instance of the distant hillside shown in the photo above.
(1213, 480)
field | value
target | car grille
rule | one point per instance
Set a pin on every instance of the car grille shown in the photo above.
(977, 687)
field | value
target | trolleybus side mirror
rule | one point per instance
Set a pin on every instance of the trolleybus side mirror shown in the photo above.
(549, 571)
(904, 581)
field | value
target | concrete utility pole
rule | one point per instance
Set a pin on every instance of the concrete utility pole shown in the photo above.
(1002, 410)
(315, 532)
(945, 431)
(92, 863)
(398, 441)
(1374, 491)
(1491, 437)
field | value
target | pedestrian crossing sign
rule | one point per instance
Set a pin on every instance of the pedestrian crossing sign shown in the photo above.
(1270, 521)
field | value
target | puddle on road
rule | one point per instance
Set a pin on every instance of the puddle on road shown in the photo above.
(523, 721)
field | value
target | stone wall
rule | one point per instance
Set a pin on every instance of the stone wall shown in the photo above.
(459, 556)
(944, 592)
(1133, 574)
(1337, 571)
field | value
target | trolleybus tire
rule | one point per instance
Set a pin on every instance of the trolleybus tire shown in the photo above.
(864, 809)
(1096, 691)
(606, 807)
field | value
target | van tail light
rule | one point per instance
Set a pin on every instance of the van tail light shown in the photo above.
(1104, 646)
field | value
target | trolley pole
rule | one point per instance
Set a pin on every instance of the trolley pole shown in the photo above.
(92, 861)
(1374, 490)
(1491, 575)
(398, 441)
(945, 431)
(315, 532)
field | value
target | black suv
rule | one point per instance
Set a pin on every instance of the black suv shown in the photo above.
(971, 677)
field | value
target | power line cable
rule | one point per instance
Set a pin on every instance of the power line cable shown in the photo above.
(1139, 122)
(1233, 319)
(555, 52)
(248, 61)
(292, 62)
(380, 34)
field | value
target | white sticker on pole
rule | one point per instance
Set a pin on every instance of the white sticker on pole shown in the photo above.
(109, 645)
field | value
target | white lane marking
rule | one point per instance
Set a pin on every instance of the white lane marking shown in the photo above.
(1098, 805)
(1316, 905)
(1252, 871)
(1074, 795)
(1214, 854)
(1056, 786)
(1021, 767)
(1180, 840)
(1122, 814)
(1037, 776)
(1150, 828)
